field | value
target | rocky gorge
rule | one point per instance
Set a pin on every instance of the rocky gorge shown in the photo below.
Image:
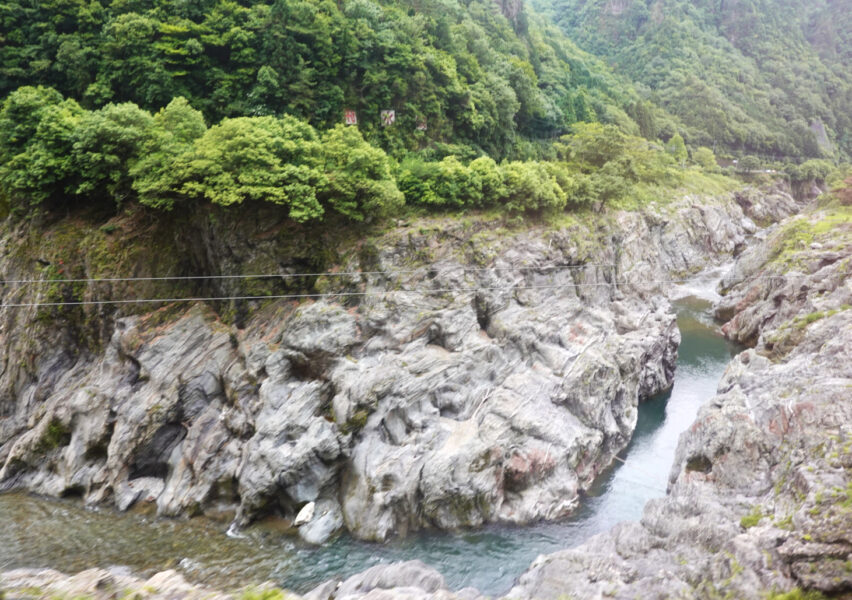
(463, 375)
(759, 495)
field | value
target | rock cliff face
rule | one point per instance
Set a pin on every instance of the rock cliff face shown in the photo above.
(464, 375)
(760, 491)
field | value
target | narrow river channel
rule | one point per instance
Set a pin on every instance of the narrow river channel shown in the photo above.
(67, 537)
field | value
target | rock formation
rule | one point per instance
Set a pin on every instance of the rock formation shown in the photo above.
(759, 494)
(470, 375)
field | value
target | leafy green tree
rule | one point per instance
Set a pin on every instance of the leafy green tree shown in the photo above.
(583, 110)
(565, 178)
(490, 178)
(705, 158)
(531, 188)
(610, 183)
(643, 114)
(20, 116)
(181, 121)
(445, 184)
(106, 143)
(592, 145)
(810, 170)
(677, 149)
(358, 181)
(44, 169)
(749, 163)
(256, 158)
(132, 61)
(456, 184)
(175, 129)
(415, 182)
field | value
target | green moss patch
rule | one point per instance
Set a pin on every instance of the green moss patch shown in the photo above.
(797, 236)
(56, 435)
(752, 518)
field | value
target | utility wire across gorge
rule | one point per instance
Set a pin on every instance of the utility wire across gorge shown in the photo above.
(296, 275)
(340, 294)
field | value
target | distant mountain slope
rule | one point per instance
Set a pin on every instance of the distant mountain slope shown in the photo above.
(482, 74)
(754, 76)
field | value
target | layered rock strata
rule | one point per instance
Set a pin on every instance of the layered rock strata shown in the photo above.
(462, 375)
(760, 494)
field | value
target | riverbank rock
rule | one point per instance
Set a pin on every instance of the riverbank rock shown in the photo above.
(397, 581)
(101, 584)
(471, 374)
(411, 580)
(325, 520)
(759, 492)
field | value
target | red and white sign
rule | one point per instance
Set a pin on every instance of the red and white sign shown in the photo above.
(388, 117)
(350, 117)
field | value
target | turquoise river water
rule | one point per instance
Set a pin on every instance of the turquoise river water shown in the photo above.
(60, 534)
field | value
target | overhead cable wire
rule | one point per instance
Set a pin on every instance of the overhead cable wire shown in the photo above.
(296, 275)
(341, 294)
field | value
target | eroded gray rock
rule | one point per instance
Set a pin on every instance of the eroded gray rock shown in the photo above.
(448, 396)
(103, 584)
(758, 493)
(324, 522)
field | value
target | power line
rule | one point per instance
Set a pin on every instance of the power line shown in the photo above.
(356, 294)
(295, 275)
(282, 296)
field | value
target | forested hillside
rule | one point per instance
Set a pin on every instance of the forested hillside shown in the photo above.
(447, 104)
(167, 102)
(764, 77)
(478, 74)
(56, 154)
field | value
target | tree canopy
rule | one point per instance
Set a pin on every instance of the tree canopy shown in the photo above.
(120, 151)
(56, 153)
(453, 105)
(463, 71)
(767, 77)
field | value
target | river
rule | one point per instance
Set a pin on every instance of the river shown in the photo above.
(63, 535)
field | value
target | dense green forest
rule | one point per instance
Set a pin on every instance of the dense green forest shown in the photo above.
(762, 77)
(164, 102)
(167, 102)
(55, 153)
(487, 77)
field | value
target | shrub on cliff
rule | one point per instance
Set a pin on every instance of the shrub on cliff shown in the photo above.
(358, 182)
(810, 170)
(106, 143)
(175, 129)
(444, 184)
(254, 158)
(283, 161)
(36, 147)
(52, 149)
(514, 187)
(531, 188)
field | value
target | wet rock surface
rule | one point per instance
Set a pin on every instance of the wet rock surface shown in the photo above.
(478, 376)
